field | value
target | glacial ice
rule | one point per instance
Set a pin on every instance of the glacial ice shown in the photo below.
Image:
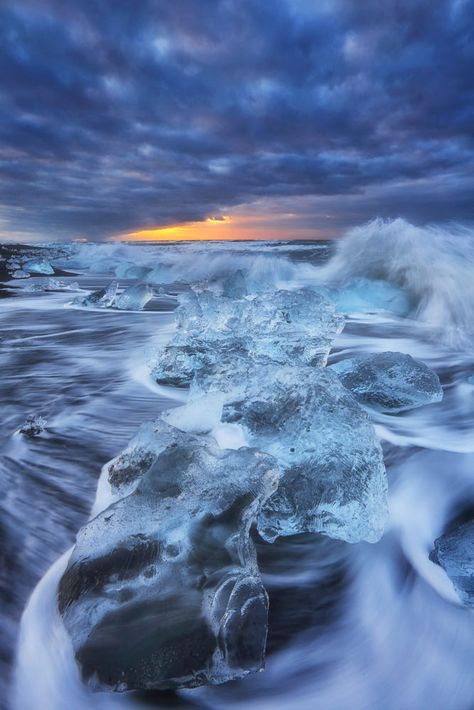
(199, 416)
(454, 552)
(389, 381)
(52, 285)
(334, 479)
(33, 426)
(369, 296)
(134, 298)
(38, 266)
(294, 327)
(103, 298)
(162, 589)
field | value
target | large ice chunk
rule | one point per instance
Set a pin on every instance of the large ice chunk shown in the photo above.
(294, 327)
(38, 266)
(124, 472)
(389, 381)
(103, 298)
(134, 298)
(454, 552)
(334, 479)
(162, 589)
(177, 363)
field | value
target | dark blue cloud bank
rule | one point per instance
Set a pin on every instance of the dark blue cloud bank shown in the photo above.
(118, 115)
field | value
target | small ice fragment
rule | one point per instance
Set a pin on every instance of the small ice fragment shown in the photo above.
(134, 298)
(52, 285)
(33, 426)
(103, 298)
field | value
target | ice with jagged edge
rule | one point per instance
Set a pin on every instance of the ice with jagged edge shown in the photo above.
(103, 298)
(296, 327)
(454, 552)
(38, 266)
(389, 381)
(134, 298)
(52, 285)
(162, 589)
(334, 479)
(34, 425)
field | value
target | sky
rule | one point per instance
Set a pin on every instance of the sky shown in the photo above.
(233, 118)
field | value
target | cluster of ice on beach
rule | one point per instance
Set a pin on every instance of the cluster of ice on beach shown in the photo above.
(163, 588)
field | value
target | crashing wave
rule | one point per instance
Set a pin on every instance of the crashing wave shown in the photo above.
(434, 266)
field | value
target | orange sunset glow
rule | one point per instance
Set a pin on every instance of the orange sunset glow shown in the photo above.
(233, 227)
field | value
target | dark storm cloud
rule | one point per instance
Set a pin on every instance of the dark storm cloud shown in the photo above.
(116, 115)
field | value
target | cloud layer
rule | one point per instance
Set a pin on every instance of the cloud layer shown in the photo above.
(117, 116)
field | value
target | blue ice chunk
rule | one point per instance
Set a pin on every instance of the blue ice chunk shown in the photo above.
(389, 381)
(333, 475)
(371, 296)
(38, 266)
(454, 552)
(296, 327)
(162, 589)
(134, 298)
(103, 298)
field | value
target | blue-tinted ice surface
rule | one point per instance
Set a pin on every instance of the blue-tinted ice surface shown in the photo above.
(333, 475)
(38, 266)
(370, 296)
(296, 327)
(454, 551)
(162, 589)
(103, 298)
(134, 298)
(389, 381)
